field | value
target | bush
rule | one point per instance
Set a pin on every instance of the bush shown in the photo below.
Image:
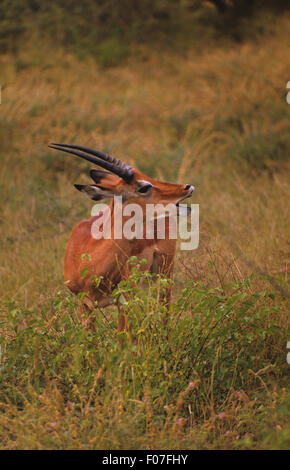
(82, 26)
(172, 366)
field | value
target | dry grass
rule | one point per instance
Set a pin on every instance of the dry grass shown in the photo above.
(217, 119)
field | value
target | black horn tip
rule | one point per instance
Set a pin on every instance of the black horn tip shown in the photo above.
(63, 145)
(54, 145)
(51, 146)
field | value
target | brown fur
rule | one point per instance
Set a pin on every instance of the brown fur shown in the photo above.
(109, 257)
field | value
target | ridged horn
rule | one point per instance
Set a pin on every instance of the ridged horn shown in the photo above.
(98, 158)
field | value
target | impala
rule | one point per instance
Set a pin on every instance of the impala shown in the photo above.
(106, 259)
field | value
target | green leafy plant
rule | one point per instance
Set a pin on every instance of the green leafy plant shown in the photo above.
(188, 360)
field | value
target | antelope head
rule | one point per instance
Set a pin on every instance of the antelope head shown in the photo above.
(121, 179)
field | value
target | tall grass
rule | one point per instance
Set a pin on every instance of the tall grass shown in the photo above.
(214, 374)
(204, 376)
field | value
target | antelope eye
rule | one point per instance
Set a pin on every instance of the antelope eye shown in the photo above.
(145, 188)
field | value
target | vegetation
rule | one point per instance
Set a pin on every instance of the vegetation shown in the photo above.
(109, 30)
(203, 377)
(211, 373)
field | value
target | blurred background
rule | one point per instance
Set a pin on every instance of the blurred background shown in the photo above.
(190, 90)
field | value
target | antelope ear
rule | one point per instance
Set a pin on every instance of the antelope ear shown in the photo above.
(105, 177)
(94, 192)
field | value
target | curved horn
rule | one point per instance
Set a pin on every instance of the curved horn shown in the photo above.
(99, 158)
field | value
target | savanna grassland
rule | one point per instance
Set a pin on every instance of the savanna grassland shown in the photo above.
(215, 375)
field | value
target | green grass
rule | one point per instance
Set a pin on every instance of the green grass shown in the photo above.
(204, 376)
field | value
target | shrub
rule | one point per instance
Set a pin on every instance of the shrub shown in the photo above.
(175, 365)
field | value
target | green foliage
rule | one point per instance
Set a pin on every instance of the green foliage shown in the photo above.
(111, 52)
(104, 28)
(261, 151)
(190, 358)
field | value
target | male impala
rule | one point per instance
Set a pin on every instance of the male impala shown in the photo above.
(88, 257)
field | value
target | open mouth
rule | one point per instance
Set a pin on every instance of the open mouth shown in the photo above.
(184, 209)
